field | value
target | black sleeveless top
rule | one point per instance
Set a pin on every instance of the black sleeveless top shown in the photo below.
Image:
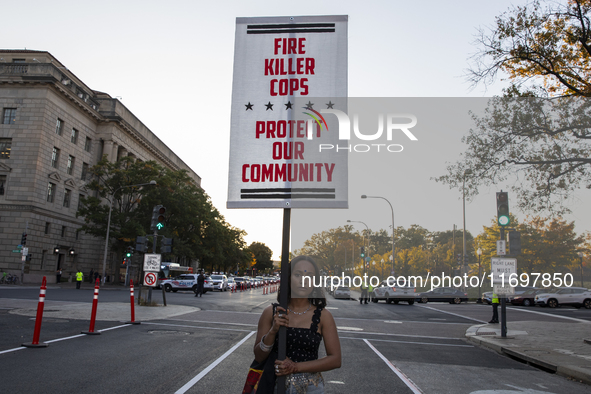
(303, 343)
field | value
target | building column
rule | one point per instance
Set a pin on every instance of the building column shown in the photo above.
(114, 152)
(108, 149)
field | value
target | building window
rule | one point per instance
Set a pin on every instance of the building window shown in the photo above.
(47, 227)
(70, 167)
(9, 116)
(77, 235)
(59, 126)
(2, 183)
(5, 147)
(63, 231)
(19, 61)
(74, 137)
(87, 144)
(84, 171)
(80, 197)
(55, 156)
(50, 192)
(67, 197)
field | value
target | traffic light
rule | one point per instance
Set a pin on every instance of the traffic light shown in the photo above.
(71, 251)
(166, 245)
(24, 239)
(363, 251)
(503, 209)
(155, 213)
(141, 244)
(129, 252)
(459, 258)
(514, 242)
(160, 218)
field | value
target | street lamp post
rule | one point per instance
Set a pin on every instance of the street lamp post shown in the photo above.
(581, 257)
(109, 222)
(393, 228)
(479, 301)
(464, 219)
(357, 221)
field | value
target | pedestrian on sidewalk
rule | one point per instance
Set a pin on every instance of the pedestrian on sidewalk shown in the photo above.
(79, 278)
(200, 284)
(495, 305)
(96, 276)
(58, 275)
(91, 275)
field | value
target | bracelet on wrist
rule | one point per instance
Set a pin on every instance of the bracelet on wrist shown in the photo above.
(265, 348)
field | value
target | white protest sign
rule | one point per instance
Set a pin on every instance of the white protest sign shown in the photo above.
(273, 161)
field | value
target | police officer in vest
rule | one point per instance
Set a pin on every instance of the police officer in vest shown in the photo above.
(363, 293)
(79, 278)
(495, 305)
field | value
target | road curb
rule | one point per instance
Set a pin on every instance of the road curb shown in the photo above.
(580, 373)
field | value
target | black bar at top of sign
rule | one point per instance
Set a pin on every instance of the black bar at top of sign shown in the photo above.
(276, 31)
(282, 196)
(289, 25)
(287, 190)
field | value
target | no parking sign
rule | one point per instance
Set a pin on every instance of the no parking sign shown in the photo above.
(150, 279)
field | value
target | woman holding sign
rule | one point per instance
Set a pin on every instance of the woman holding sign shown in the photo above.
(308, 323)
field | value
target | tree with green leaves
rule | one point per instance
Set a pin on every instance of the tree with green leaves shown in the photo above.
(196, 227)
(263, 256)
(537, 137)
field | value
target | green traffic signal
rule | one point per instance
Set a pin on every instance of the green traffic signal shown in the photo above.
(503, 218)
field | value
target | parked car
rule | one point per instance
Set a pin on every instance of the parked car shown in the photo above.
(232, 283)
(487, 296)
(527, 298)
(242, 281)
(342, 292)
(394, 293)
(572, 296)
(443, 294)
(219, 282)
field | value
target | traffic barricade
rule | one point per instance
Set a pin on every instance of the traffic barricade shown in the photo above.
(39, 317)
(93, 314)
(131, 291)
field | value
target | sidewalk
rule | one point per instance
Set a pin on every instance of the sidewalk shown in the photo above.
(562, 348)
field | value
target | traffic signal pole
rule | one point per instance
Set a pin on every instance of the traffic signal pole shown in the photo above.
(503, 302)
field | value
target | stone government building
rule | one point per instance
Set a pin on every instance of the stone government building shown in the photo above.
(53, 129)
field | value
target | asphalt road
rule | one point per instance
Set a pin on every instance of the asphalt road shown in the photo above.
(386, 348)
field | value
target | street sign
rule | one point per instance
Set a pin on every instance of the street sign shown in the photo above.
(25, 251)
(19, 246)
(24, 258)
(16, 251)
(150, 279)
(507, 290)
(500, 266)
(501, 248)
(152, 262)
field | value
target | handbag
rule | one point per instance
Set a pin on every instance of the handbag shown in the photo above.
(261, 375)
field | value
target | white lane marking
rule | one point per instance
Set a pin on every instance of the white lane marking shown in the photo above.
(335, 382)
(64, 339)
(197, 378)
(453, 314)
(410, 336)
(12, 350)
(409, 383)
(392, 321)
(187, 326)
(349, 328)
(214, 322)
(409, 342)
(113, 328)
(552, 315)
(406, 321)
(264, 302)
(330, 307)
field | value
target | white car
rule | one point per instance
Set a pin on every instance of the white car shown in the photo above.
(181, 282)
(394, 293)
(573, 296)
(219, 282)
(342, 292)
